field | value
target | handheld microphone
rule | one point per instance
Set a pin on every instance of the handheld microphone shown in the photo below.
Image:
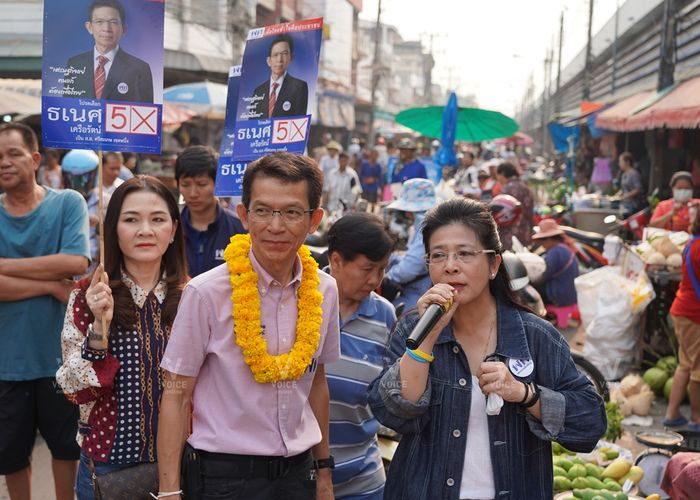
(426, 323)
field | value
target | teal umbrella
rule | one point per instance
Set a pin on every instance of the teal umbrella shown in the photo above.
(473, 124)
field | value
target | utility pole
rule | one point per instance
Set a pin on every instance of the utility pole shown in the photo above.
(545, 91)
(375, 74)
(557, 106)
(667, 65)
(614, 47)
(589, 51)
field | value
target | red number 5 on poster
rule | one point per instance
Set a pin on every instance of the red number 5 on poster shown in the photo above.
(125, 119)
(286, 131)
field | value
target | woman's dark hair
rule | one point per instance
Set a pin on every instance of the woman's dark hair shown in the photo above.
(288, 168)
(173, 262)
(507, 170)
(360, 234)
(477, 217)
(695, 228)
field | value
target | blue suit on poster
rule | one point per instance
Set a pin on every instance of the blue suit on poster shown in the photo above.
(128, 79)
(292, 98)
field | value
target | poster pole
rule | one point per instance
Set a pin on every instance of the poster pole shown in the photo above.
(101, 234)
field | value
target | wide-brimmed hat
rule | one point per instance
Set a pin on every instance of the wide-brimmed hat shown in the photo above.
(546, 229)
(417, 195)
(406, 143)
(334, 145)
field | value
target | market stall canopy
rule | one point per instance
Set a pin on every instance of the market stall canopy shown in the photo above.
(518, 138)
(206, 99)
(614, 117)
(12, 102)
(20, 96)
(174, 116)
(679, 108)
(473, 124)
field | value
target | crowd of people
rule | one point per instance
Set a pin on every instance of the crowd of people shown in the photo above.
(210, 357)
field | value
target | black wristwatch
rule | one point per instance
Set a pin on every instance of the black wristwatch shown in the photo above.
(535, 396)
(324, 463)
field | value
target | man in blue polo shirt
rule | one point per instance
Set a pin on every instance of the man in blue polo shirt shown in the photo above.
(407, 167)
(208, 226)
(359, 246)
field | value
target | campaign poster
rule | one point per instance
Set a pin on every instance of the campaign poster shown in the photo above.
(102, 75)
(229, 178)
(278, 85)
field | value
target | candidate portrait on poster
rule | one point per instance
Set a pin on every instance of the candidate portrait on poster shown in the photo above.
(106, 70)
(282, 94)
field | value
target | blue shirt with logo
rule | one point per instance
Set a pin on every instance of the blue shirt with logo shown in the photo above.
(205, 249)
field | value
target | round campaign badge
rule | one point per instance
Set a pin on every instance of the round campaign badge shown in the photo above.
(521, 367)
(286, 105)
(123, 88)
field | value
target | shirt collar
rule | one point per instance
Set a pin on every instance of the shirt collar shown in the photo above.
(139, 295)
(109, 55)
(511, 341)
(280, 81)
(265, 280)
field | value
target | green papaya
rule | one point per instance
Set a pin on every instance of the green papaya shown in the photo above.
(576, 470)
(562, 483)
(562, 462)
(558, 471)
(611, 484)
(593, 470)
(595, 483)
(579, 483)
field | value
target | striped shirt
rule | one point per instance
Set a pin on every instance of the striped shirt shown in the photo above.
(359, 473)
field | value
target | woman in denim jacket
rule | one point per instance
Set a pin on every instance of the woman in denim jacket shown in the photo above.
(486, 354)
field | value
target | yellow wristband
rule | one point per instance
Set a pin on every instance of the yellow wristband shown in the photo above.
(423, 355)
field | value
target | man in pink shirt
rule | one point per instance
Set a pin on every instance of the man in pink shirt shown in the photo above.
(254, 435)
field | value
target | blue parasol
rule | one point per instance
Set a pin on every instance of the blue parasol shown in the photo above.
(446, 154)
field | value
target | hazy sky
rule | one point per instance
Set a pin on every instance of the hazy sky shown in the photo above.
(476, 42)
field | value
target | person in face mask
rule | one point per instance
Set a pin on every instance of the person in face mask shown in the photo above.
(678, 212)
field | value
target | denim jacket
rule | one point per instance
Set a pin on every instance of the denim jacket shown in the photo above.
(428, 462)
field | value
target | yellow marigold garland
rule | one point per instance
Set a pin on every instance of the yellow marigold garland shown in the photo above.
(246, 312)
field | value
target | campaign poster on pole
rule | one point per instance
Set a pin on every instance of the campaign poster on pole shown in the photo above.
(102, 75)
(277, 89)
(229, 178)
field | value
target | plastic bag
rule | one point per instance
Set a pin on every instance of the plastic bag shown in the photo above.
(611, 307)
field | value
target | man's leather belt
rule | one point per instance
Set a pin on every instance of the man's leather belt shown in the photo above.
(248, 466)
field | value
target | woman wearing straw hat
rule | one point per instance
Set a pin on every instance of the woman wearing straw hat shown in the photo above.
(557, 284)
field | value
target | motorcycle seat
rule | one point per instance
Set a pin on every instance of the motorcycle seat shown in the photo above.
(591, 238)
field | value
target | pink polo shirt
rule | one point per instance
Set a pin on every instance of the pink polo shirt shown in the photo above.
(232, 412)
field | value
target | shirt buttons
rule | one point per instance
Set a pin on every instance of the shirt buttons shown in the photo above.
(462, 382)
(455, 350)
(450, 481)
(456, 433)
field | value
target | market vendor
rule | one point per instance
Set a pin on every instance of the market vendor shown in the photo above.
(674, 214)
(557, 284)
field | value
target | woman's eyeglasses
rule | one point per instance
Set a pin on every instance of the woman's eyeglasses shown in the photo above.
(463, 256)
